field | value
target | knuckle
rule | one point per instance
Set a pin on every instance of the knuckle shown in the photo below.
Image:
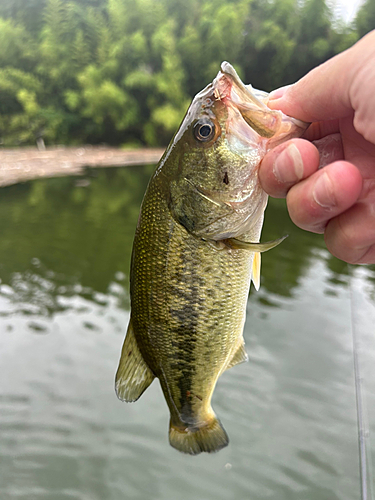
(343, 241)
(304, 212)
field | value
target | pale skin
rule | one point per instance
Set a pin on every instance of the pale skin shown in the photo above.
(338, 98)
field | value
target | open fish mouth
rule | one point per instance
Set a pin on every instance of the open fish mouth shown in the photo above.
(229, 85)
(252, 106)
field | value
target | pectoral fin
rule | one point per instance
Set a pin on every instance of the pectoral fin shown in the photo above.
(255, 275)
(133, 375)
(254, 247)
(240, 356)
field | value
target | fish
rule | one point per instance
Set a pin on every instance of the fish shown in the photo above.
(196, 249)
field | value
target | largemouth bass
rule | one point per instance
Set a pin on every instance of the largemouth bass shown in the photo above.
(196, 248)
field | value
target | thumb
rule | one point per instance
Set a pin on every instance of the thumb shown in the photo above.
(326, 92)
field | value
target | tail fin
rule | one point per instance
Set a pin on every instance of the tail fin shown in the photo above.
(210, 438)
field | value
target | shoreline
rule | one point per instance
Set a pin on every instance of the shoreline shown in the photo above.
(25, 164)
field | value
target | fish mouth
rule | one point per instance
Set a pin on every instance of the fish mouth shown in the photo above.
(252, 106)
(228, 85)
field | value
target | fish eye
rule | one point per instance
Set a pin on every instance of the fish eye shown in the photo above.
(204, 130)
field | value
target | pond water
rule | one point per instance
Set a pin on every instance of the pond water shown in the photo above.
(290, 412)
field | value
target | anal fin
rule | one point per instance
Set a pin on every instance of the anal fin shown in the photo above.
(240, 356)
(133, 375)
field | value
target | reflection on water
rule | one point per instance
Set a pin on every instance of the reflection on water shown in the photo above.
(64, 306)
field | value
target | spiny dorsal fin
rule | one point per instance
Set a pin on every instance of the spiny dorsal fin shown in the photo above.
(255, 275)
(133, 375)
(240, 356)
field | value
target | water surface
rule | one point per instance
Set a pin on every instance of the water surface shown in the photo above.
(290, 412)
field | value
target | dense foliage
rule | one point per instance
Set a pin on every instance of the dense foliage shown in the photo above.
(124, 71)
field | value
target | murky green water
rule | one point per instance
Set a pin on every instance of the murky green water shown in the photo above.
(64, 306)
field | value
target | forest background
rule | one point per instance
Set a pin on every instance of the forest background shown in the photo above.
(123, 72)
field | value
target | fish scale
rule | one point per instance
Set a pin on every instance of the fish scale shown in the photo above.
(186, 304)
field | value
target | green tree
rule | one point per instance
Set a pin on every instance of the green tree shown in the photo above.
(123, 71)
(365, 20)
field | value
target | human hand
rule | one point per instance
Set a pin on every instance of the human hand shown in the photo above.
(338, 200)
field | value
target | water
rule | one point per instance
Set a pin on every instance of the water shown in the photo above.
(290, 412)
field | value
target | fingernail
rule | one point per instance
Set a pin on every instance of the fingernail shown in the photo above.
(288, 166)
(276, 94)
(323, 192)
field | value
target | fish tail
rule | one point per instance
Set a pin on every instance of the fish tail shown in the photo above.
(210, 437)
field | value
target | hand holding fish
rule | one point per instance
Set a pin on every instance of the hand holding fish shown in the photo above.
(338, 200)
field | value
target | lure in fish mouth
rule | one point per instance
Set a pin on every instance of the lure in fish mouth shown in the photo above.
(195, 251)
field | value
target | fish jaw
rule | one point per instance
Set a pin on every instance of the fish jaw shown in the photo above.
(272, 125)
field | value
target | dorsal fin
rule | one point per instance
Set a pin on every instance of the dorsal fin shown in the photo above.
(133, 375)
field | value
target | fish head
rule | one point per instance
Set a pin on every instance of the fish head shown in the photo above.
(213, 161)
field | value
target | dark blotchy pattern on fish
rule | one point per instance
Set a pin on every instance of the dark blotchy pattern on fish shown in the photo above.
(186, 304)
